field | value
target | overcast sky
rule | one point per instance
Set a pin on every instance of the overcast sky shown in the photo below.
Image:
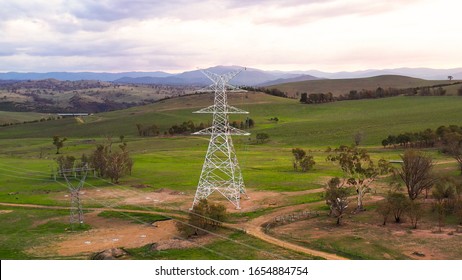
(178, 35)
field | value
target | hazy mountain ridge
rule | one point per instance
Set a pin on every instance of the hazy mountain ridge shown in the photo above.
(251, 77)
(291, 80)
(75, 76)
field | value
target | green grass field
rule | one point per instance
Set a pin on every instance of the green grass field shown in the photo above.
(27, 154)
(19, 117)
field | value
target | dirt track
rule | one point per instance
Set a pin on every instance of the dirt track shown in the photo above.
(254, 228)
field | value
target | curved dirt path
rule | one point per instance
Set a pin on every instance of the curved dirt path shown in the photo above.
(254, 228)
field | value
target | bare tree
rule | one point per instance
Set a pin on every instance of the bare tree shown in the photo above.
(450, 78)
(414, 212)
(415, 172)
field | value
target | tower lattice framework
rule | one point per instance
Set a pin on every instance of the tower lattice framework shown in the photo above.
(221, 171)
(76, 211)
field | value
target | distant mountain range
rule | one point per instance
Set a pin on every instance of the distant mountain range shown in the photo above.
(251, 77)
(76, 76)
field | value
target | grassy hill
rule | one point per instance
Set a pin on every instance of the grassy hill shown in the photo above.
(19, 117)
(343, 86)
(300, 124)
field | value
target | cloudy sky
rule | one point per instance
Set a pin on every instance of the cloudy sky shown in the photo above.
(178, 35)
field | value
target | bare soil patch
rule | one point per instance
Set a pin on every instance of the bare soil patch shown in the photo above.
(119, 196)
(110, 233)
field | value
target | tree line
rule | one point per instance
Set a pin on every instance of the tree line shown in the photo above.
(317, 98)
(43, 119)
(187, 127)
(447, 138)
(270, 91)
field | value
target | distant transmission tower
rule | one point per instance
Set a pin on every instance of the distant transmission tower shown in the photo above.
(76, 214)
(221, 171)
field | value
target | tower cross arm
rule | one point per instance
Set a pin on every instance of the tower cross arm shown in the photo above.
(225, 78)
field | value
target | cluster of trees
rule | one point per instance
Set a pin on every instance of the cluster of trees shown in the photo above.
(421, 139)
(111, 163)
(373, 94)
(447, 199)
(246, 124)
(316, 98)
(204, 217)
(147, 130)
(187, 127)
(432, 91)
(67, 164)
(270, 91)
(449, 138)
(106, 161)
(415, 174)
(302, 161)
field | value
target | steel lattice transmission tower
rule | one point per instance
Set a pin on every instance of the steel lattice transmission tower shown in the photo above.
(76, 212)
(221, 171)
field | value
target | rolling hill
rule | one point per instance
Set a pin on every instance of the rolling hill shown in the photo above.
(344, 86)
(299, 124)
